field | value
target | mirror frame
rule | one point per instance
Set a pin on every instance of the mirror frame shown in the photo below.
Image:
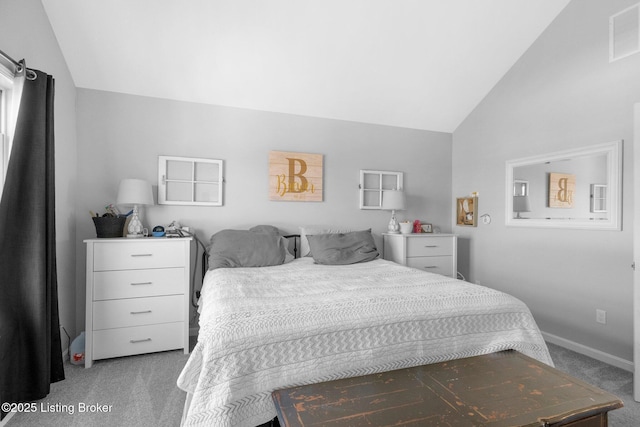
(613, 152)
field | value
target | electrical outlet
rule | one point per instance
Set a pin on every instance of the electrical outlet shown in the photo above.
(601, 316)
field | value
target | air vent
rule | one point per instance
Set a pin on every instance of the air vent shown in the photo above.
(624, 33)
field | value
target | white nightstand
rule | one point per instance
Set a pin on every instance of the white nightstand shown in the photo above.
(137, 296)
(436, 253)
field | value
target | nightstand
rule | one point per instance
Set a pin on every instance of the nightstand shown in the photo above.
(138, 296)
(436, 253)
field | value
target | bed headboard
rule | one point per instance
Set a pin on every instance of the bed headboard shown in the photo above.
(294, 248)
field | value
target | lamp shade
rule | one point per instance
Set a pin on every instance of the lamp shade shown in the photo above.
(134, 192)
(392, 200)
(521, 204)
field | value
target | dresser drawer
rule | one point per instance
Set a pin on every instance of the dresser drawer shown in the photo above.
(137, 311)
(138, 255)
(137, 283)
(429, 246)
(433, 264)
(137, 340)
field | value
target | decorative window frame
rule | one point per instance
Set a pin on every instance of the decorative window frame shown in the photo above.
(187, 186)
(373, 183)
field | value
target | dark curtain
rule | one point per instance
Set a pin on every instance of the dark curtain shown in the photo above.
(30, 352)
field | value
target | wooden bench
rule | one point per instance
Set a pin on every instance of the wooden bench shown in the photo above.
(499, 389)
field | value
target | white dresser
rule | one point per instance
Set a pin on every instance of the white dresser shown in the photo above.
(436, 253)
(137, 296)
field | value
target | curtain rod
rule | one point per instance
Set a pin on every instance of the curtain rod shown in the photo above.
(18, 66)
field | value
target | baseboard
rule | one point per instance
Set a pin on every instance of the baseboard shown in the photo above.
(607, 358)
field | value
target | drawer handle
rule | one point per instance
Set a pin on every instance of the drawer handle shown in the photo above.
(141, 312)
(137, 341)
(431, 246)
(141, 283)
(141, 254)
(430, 266)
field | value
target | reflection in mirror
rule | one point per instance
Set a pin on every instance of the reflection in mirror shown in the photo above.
(570, 189)
(520, 188)
(598, 198)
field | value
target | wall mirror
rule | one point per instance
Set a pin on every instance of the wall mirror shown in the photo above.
(579, 188)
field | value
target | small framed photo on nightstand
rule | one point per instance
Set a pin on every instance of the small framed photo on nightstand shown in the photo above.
(427, 228)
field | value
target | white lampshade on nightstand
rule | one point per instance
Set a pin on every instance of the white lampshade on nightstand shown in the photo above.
(134, 192)
(393, 200)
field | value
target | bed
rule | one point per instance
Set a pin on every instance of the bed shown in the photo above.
(305, 321)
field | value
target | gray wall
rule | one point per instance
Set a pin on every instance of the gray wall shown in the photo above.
(562, 93)
(121, 136)
(25, 32)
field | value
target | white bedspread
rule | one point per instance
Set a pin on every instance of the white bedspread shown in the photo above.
(263, 329)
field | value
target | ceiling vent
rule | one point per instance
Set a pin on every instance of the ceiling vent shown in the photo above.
(624, 33)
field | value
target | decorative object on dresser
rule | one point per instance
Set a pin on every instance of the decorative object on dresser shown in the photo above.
(393, 200)
(435, 253)
(467, 211)
(137, 296)
(109, 226)
(134, 192)
(406, 227)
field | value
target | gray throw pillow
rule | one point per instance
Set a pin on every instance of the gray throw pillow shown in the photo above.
(260, 246)
(343, 248)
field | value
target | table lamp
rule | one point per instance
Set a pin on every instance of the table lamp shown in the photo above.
(393, 200)
(134, 192)
(521, 204)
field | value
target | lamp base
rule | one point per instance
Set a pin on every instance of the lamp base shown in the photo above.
(394, 227)
(135, 228)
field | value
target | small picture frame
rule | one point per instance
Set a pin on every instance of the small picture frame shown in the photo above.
(427, 228)
(467, 211)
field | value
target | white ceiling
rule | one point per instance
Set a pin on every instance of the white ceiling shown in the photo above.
(421, 64)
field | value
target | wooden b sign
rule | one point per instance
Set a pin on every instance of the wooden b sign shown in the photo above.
(295, 177)
(562, 187)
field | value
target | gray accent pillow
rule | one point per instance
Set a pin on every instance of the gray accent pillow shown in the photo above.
(305, 231)
(343, 248)
(260, 246)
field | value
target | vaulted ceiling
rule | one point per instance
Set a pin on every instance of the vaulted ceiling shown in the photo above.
(421, 64)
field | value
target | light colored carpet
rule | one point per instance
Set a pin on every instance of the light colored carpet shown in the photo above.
(137, 390)
(142, 391)
(609, 378)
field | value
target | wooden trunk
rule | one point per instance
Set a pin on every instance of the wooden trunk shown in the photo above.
(499, 389)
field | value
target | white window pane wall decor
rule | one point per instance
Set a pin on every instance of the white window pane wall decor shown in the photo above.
(190, 181)
(373, 183)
